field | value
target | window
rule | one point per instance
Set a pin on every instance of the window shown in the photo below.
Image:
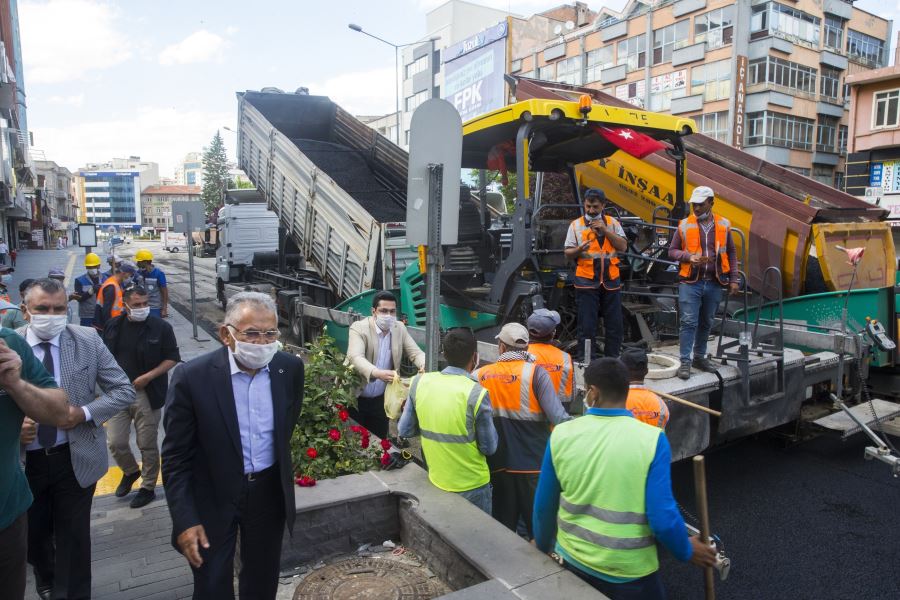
(823, 174)
(884, 113)
(633, 93)
(798, 170)
(834, 32)
(864, 48)
(716, 27)
(842, 139)
(713, 80)
(839, 180)
(783, 73)
(597, 60)
(830, 85)
(778, 129)
(633, 53)
(825, 134)
(773, 18)
(669, 38)
(569, 70)
(547, 72)
(715, 125)
(412, 102)
(515, 66)
(665, 87)
(417, 66)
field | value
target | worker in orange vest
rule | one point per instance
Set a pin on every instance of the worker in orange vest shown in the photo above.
(643, 403)
(592, 242)
(525, 406)
(110, 302)
(542, 325)
(703, 245)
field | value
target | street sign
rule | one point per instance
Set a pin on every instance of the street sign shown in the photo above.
(87, 235)
(180, 211)
(435, 138)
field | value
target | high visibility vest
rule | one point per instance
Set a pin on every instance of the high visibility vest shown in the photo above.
(512, 393)
(118, 306)
(600, 264)
(602, 465)
(646, 406)
(690, 240)
(558, 365)
(446, 407)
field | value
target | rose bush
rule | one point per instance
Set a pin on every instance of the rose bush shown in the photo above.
(324, 444)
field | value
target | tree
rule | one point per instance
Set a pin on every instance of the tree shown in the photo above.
(215, 174)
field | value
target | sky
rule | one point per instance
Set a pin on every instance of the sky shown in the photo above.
(156, 79)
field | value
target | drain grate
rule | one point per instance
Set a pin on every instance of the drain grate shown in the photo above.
(375, 578)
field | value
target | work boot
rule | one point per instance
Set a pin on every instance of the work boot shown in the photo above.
(704, 364)
(684, 371)
(143, 498)
(125, 485)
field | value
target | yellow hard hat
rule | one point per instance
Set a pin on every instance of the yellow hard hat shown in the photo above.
(143, 255)
(91, 260)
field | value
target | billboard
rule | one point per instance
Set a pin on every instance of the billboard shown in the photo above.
(473, 72)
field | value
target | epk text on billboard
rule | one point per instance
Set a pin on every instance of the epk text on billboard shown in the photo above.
(473, 72)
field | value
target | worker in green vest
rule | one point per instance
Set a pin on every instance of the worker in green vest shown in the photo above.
(452, 413)
(605, 494)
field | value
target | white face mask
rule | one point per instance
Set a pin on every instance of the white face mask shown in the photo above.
(254, 356)
(139, 314)
(93, 272)
(385, 322)
(47, 327)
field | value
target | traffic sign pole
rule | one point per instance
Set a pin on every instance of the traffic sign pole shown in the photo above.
(433, 266)
(191, 275)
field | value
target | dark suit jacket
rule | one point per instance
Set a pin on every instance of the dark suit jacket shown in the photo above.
(202, 460)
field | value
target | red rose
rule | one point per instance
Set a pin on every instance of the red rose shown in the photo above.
(310, 482)
(311, 452)
(356, 429)
(343, 415)
(298, 480)
(334, 434)
(306, 481)
(364, 431)
(385, 459)
(364, 442)
(385, 445)
(339, 406)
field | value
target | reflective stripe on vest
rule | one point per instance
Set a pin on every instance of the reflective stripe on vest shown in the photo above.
(511, 389)
(558, 365)
(606, 254)
(647, 406)
(689, 230)
(602, 465)
(118, 306)
(446, 407)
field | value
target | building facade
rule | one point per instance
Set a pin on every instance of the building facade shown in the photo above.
(109, 193)
(190, 171)
(766, 77)
(156, 203)
(56, 208)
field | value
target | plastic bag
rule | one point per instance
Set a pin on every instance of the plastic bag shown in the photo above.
(394, 396)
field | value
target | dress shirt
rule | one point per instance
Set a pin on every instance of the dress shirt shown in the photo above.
(35, 342)
(256, 417)
(383, 360)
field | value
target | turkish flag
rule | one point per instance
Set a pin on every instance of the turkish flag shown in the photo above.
(629, 140)
(496, 160)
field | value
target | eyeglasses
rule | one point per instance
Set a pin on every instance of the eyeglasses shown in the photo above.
(252, 335)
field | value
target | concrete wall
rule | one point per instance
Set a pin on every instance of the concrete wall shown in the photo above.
(863, 137)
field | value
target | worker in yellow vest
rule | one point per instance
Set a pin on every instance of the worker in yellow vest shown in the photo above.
(704, 247)
(642, 402)
(605, 494)
(542, 324)
(525, 406)
(110, 302)
(453, 415)
(592, 242)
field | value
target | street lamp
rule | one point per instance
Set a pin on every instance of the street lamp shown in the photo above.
(396, 48)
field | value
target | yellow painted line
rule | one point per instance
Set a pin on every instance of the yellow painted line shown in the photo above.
(109, 482)
(69, 267)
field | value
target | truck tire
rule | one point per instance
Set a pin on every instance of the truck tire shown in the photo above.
(175, 249)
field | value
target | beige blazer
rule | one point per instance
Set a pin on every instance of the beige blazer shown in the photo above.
(363, 343)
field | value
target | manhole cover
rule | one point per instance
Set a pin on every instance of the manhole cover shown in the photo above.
(364, 578)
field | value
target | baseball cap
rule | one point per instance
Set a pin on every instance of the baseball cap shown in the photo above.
(634, 358)
(126, 267)
(57, 273)
(700, 194)
(594, 192)
(514, 335)
(543, 322)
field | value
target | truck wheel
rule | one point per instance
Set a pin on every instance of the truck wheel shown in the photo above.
(175, 249)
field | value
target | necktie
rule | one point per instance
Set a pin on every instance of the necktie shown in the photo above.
(46, 434)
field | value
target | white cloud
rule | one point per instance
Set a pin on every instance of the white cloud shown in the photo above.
(231, 30)
(201, 46)
(62, 40)
(365, 92)
(74, 100)
(162, 135)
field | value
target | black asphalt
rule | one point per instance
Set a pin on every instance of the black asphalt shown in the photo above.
(813, 520)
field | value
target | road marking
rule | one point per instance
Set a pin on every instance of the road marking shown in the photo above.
(109, 482)
(70, 266)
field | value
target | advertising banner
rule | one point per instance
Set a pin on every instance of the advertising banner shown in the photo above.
(473, 73)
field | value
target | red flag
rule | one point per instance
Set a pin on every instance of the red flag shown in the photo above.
(629, 140)
(497, 159)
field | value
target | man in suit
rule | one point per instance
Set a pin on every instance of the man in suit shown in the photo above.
(63, 463)
(375, 349)
(226, 459)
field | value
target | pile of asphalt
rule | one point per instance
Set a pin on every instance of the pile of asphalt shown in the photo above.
(350, 170)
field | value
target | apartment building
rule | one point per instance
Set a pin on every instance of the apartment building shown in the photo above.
(109, 194)
(156, 203)
(768, 77)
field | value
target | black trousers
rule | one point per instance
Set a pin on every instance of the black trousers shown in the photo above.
(260, 519)
(370, 415)
(513, 498)
(59, 524)
(13, 540)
